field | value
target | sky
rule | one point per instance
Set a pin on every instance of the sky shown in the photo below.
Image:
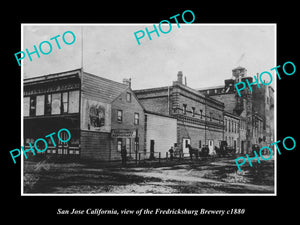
(205, 53)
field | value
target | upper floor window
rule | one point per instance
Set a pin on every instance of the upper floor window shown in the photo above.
(128, 97)
(32, 106)
(120, 116)
(210, 116)
(184, 109)
(52, 104)
(56, 103)
(40, 102)
(136, 119)
(65, 101)
(48, 104)
(193, 111)
(201, 111)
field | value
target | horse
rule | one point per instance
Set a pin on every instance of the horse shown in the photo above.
(193, 151)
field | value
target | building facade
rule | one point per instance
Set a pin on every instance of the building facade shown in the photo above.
(232, 130)
(255, 109)
(101, 115)
(160, 134)
(199, 117)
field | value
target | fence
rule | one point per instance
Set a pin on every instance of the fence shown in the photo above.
(158, 157)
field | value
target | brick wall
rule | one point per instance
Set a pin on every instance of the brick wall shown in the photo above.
(229, 101)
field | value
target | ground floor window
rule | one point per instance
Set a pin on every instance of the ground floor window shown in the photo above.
(59, 148)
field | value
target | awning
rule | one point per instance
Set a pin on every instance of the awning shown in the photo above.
(123, 133)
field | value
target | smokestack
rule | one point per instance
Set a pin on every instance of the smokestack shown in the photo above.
(179, 77)
(127, 82)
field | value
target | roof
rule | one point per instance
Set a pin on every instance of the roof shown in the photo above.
(103, 88)
(45, 78)
(106, 89)
(211, 87)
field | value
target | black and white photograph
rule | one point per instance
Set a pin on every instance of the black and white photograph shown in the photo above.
(131, 109)
(149, 112)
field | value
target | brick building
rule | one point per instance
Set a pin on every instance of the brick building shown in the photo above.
(101, 115)
(199, 117)
(255, 109)
(232, 130)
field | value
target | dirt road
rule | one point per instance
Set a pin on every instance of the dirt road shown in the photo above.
(216, 176)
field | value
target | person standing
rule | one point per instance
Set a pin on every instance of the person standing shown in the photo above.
(123, 155)
(190, 151)
(171, 151)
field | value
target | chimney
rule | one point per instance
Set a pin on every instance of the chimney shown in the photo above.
(179, 77)
(185, 81)
(127, 82)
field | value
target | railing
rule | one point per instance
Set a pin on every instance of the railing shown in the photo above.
(158, 157)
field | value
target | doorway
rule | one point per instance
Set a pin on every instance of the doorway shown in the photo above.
(185, 143)
(211, 147)
(152, 143)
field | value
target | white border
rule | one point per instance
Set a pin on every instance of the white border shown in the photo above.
(134, 24)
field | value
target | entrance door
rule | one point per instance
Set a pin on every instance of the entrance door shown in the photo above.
(211, 147)
(152, 149)
(185, 142)
(128, 147)
(243, 147)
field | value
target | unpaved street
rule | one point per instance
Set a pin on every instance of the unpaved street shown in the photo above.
(213, 176)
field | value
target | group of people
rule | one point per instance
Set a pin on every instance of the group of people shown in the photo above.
(174, 151)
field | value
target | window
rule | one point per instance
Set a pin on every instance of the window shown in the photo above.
(229, 124)
(56, 103)
(184, 109)
(225, 124)
(120, 116)
(40, 108)
(32, 106)
(136, 119)
(210, 116)
(128, 97)
(65, 102)
(220, 119)
(200, 144)
(26, 101)
(73, 102)
(48, 104)
(201, 113)
(193, 111)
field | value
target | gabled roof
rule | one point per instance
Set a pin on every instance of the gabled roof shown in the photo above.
(107, 90)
